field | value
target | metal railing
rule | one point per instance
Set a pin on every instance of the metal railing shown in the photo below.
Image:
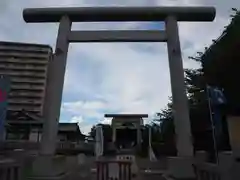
(207, 171)
(9, 170)
(26, 144)
(21, 144)
(123, 170)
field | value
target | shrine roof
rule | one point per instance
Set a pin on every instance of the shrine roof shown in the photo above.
(126, 115)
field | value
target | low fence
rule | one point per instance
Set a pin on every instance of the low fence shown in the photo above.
(21, 144)
(204, 170)
(207, 171)
(9, 170)
(114, 170)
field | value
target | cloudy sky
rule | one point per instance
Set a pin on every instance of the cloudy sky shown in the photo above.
(114, 77)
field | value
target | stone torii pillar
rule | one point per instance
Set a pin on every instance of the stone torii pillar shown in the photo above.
(171, 15)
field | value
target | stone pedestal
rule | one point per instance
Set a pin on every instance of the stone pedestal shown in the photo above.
(49, 167)
(180, 167)
(201, 156)
(234, 137)
(225, 164)
(225, 159)
(234, 134)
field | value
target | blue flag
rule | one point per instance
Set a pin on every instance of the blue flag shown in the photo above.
(216, 96)
(216, 99)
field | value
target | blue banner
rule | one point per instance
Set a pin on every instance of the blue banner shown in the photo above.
(4, 90)
(216, 96)
(216, 99)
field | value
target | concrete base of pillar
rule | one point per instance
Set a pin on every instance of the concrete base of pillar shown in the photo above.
(49, 168)
(201, 156)
(234, 134)
(226, 162)
(59, 177)
(180, 167)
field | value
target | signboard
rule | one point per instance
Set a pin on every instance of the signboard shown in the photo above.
(4, 90)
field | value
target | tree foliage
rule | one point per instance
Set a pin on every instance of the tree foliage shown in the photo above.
(107, 132)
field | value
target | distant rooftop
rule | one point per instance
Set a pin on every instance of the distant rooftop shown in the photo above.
(68, 127)
(126, 115)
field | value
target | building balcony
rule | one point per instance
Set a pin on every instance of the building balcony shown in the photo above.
(16, 80)
(25, 95)
(23, 73)
(24, 55)
(14, 67)
(27, 87)
(27, 60)
(26, 108)
(32, 102)
(7, 48)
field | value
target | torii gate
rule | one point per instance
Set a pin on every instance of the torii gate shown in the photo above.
(171, 15)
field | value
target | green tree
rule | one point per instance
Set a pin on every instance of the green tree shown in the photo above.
(198, 107)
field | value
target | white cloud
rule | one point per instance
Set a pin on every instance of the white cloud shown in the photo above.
(85, 109)
(84, 126)
(106, 121)
(77, 119)
(120, 78)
